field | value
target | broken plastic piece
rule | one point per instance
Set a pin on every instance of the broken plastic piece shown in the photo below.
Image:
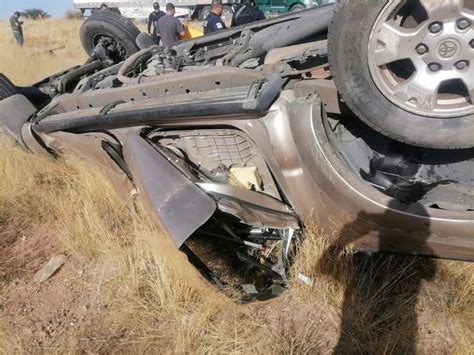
(306, 280)
(248, 178)
(249, 289)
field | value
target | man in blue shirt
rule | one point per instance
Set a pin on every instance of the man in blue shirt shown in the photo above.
(153, 18)
(213, 22)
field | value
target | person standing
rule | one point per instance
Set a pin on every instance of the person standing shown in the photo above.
(153, 18)
(213, 21)
(17, 28)
(169, 27)
(247, 13)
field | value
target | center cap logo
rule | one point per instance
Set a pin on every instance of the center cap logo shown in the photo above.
(448, 49)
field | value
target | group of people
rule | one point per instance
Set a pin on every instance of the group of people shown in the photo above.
(164, 27)
(167, 30)
(243, 14)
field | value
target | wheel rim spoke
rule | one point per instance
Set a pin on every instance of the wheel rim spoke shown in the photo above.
(395, 43)
(420, 91)
(468, 80)
(437, 9)
(468, 9)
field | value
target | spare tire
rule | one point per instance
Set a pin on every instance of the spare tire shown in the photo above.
(114, 28)
(7, 88)
(406, 68)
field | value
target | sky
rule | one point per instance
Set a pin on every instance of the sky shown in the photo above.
(55, 8)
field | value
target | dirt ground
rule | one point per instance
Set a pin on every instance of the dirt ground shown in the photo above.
(41, 312)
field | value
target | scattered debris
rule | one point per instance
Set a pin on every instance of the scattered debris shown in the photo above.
(53, 265)
(249, 289)
(306, 280)
(50, 51)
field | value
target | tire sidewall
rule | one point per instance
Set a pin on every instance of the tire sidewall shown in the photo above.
(95, 29)
(349, 58)
(111, 25)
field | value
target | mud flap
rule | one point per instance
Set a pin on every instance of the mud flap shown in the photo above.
(180, 206)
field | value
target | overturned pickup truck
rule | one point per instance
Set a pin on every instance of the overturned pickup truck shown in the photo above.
(358, 116)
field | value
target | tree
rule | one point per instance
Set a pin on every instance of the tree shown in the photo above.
(35, 14)
(73, 15)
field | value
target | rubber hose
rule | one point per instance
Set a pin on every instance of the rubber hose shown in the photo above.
(131, 63)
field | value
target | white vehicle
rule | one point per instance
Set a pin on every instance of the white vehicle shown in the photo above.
(140, 9)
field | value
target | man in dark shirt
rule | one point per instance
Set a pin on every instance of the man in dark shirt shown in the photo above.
(169, 27)
(247, 13)
(155, 15)
(17, 30)
(213, 21)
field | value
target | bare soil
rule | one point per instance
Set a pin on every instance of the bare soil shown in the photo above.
(41, 313)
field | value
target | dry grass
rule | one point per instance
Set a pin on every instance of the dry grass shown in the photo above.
(148, 298)
(154, 296)
(156, 299)
(50, 46)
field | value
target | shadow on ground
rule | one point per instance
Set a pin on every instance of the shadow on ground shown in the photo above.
(381, 292)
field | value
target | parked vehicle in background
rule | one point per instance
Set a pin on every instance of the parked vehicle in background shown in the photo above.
(284, 6)
(139, 9)
(197, 9)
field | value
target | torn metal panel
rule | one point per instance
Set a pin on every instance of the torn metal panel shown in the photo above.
(253, 208)
(180, 206)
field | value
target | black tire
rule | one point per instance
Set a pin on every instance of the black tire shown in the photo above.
(112, 25)
(297, 8)
(7, 88)
(348, 37)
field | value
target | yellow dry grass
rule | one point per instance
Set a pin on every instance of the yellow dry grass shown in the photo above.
(50, 46)
(156, 302)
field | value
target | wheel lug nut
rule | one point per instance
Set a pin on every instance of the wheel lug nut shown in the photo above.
(462, 64)
(434, 67)
(471, 43)
(435, 27)
(421, 49)
(463, 23)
